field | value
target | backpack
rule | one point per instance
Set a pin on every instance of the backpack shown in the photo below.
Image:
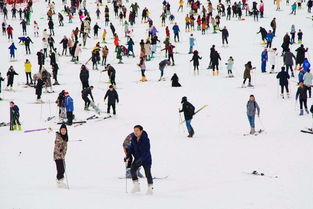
(191, 109)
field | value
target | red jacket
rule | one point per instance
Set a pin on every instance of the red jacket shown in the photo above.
(10, 30)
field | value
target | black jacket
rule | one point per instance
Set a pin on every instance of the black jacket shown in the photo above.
(84, 75)
(86, 92)
(175, 81)
(189, 110)
(283, 77)
(40, 58)
(112, 96)
(301, 92)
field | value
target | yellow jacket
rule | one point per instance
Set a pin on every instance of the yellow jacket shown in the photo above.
(28, 67)
(181, 3)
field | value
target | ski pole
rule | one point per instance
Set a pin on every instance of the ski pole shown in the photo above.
(68, 187)
(261, 123)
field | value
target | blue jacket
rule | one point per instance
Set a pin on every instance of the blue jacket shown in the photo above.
(264, 56)
(130, 45)
(301, 75)
(176, 29)
(141, 149)
(269, 37)
(191, 41)
(306, 65)
(69, 104)
(12, 48)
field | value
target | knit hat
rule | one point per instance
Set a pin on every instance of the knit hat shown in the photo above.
(111, 87)
(66, 93)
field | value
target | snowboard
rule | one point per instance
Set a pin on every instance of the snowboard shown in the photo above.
(204, 106)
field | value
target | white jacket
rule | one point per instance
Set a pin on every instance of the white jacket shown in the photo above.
(307, 79)
(272, 57)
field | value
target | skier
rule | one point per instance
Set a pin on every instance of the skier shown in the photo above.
(112, 96)
(111, 72)
(264, 58)
(162, 66)
(263, 34)
(85, 93)
(12, 49)
(15, 117)
(28, 72)
(140, 150)
(288, 61)
(269, 39)
(60, 148)
(10, 74)
(39, 87)
(84, 76)
(195, 59)
(142, 66)
(229, 66)
(247, 74)
(176, 32)
(215, 57)
(272, 59)
(225, 35)
(252, 108)
(175, 81)
(191, 43)
(302, 95)
(189, 111)
(69, 105)
(126, 147)
(283, 77)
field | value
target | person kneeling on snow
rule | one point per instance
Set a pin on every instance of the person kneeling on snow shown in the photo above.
(140, 149)
(126, 145)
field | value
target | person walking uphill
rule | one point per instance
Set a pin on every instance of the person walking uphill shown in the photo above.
(140, 150)
(302, 95)
(60, 148)
(252, 108)
(283, 77)
(189, 111)
(112, 96)
(69, 105)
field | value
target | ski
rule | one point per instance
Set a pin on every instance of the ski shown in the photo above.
(76, 122)
(107, 117)
(204, 106)
(50, 118)
(3, 124)
(92, 117)
(155, 178)
(256, 173)
(37, 130)
(307, 131)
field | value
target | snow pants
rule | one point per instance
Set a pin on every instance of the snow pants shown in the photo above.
(60, 168)
(133, 171)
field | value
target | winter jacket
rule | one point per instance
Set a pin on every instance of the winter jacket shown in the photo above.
(283, 77)
(28, 67)
(195, 59)
(306, 65)
(307, 79)
(230, 64)
(225, 33)
(301, 92)
(84, 75)
(141, 150)
(86, 92)
(12, 48)
(11, 74)
(175, 81)
(127, 142)
(188, 110)
(264, 56)
(69, 104)
(192, 41)
(130, 45)
(272, 57)
(40, 58)
(288, 58)
(300, 54)
(252, 107)
(112, 97)
(269, 37)
(176, 29)
(215, 57)
(77, 51)
(60, 147)
(163, 63)
(247, 71)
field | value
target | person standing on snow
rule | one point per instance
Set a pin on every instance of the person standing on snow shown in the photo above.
(195, 59)
(225, 35)
(60, 148)
(252, 108)
(288, 61)
(69, 105)
(112, 96)
(283, 77)
(176, 31)
(140, 150)
(12, 49)
(191, 43)
(229, 66)
(84, 76)
(269, 39)
(10, 74)
(162, 66)
(264, 58)
(189, 111)
(302, 95)
(247, 74)
(272, 59)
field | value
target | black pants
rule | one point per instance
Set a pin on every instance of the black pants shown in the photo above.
(10, 83)
(224, 39)
(308, 88)
(112, 80)
(282, 88)
(60, 168)
(133, 171)
(27, 49)
(303, 102)
(269, 44)
(113, 107)
(244, 81)
(176, 35)
(171, 56)
(38, 96)
(214, 66)
(87, 101)
(29, 75)
(69, 116)
(85, 84)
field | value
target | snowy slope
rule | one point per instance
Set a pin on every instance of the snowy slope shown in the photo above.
(207, 171)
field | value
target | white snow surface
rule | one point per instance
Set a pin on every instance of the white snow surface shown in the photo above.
(206, 172)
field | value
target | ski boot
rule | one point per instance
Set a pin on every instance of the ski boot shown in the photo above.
(14, 127)
(60, 183)
(150, 189)
(213, 73)
(301, 112)
(19, 127)
(288, 95)
(306, 110)
(136, 187)
(252, 131)
(217, 72)
(243, 86)
(282, 96)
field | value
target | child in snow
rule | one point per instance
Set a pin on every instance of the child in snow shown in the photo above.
(229, 66)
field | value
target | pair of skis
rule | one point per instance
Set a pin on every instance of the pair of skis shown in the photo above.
(255, 134)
